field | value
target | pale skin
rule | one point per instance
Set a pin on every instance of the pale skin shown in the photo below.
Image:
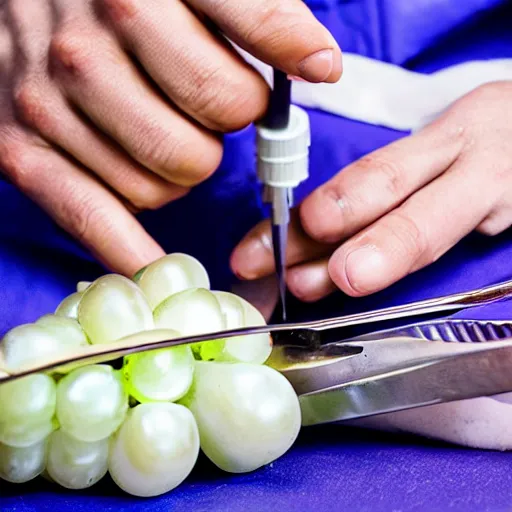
(103, 104)
(400, 208)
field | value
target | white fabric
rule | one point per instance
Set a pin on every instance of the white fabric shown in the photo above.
(383, 94)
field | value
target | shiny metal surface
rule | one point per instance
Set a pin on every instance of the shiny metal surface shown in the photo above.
(401, 368)
(393, 375)
(294, 344)
(460, 331)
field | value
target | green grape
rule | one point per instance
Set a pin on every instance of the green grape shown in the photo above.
(248, 415)
(138, 275)
(239, 313)
(27, 406)
(171, 274)
(209, 350)
(20, 465)
(81, 286)
(160, 375)
(91, 402)
(66, 330)
(113, 307)
(75, 464)
(155, 449)
(190, 312)
(69, 306)
(31, 344)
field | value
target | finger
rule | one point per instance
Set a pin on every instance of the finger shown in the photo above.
(263, 294)
(379, 182)
(253, 258)
(201, 75)
(311, 281)
(44, 110)
(283, 34)
(417, 233)
(78, 203)
(497, 221)
(99, 78)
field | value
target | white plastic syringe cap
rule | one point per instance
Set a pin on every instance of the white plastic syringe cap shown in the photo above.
(283, 155)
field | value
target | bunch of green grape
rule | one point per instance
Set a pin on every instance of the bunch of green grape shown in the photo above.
(146, 422)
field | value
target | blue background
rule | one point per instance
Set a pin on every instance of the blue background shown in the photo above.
(330, 467)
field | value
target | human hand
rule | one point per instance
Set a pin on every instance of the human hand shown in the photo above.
(109, 107)
(400, 208)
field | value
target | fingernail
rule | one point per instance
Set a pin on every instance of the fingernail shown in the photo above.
(318, 66)
(251, 256)
(310, 284)
(366, 269)
(294, 78)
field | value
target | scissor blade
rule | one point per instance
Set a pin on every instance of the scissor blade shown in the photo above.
(394, 375)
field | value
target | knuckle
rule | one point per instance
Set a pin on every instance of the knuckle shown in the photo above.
(389, 171)
(196, 170)
(175, 159)
(238, 110)
(154, 198)
(157, 149)
(85, 217)
(32, 108)
(412, 240)
(16, 161)
(495, 224)
(119, 10)
(322, 214)
(225, 105)
(71, 51)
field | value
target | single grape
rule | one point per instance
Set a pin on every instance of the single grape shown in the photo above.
(113, 307)
(91, 402)
(75, 464)
(248, 415)
(31, 344)
(66, 330)
(171, 274)
(81, 286)
(69, 306)
(160, 375)
(239, 313)
(190, 312)
(27, 406)
(20, 465)
(155, 449)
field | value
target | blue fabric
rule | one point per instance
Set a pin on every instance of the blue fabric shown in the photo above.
(331, 467)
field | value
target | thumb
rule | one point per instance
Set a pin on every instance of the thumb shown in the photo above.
(283, 34)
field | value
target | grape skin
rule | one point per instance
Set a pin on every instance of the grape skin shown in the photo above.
(91, 402)
(75, 464)
(171, 274)
(159, 375)
(151, 447)
(69, 306)
(248, 415)
(20, 465)
(27, 407)
(155, 449)
(113, 307)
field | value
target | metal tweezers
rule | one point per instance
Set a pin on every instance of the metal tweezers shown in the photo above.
(355, 377)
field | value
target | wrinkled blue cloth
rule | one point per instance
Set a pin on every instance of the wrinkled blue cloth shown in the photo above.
(331, 467)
